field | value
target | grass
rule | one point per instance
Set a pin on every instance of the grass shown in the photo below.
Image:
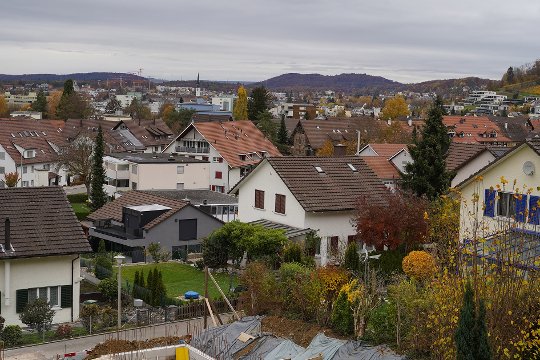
(81, 210)
(179, 278)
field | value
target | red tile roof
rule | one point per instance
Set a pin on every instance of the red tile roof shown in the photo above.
(475, 129)
(387, 150)
(382, 167)
(234, 138)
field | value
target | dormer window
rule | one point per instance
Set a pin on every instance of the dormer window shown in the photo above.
(29, 154)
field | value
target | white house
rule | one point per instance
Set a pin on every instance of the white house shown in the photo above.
(397, 154)
(39, 252)
(466, 159)
(142, 171)
(310, 192)
(233, 148)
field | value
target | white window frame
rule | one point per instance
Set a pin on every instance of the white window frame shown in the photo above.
(180, 169)
(34, 293)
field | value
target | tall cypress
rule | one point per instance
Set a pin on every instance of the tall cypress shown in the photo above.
(427, 174)
(40, 104)
(464, 337)
(135, 291)
(282, 135)
(482, 349)
(98, 197)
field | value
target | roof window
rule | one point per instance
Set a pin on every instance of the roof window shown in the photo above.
(351, 166)
(319, 169)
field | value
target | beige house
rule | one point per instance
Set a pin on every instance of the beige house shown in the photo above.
(142, 171)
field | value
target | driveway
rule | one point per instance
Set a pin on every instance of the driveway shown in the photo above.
(51, 350)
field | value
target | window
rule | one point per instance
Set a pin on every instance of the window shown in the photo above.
(506, 205)
(133, 185)
(219, 175)
(217, 159)
(50, 294)
(2, 155)
(280, 204)
(31, 182)
(179, 186)
(220, 189)
(179, 169)
(25, 169)
(47, 167)
(334, 245)
(2, 170)
(205, 158)
(188, 229)
(25, 184)
(134, 169)
(351, 239)
(259, 199)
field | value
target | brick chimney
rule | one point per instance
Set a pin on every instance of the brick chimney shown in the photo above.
(340, 150)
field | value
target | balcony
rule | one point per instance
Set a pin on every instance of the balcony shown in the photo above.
(192, 150)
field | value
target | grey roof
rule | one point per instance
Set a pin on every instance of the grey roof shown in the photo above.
(42, 223)
(290, 231)
(147, 158)
(196, 197)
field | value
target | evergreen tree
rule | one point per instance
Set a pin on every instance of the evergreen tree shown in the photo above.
(258, 102)
(240, 111)
(510, 78)
(427, 174)
(464, 337)
(135, 291)
(352, 258)
(150, 288)
(482, 349)
(71, 105)
(282, 135)
(113, 105)
(103, 263)
(342, 316)
(266, 125)
(40, 104)
(98, 196)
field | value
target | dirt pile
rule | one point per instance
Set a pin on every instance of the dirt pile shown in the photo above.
(299, 331)
(114, 346)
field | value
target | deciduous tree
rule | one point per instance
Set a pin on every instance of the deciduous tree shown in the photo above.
(137, 110)
(113, 105)
(71, 104)
(52, 104)
(240, 111)
(11, 179)
(38, 315)
(76, 158)
(394, 108)
(4, 109)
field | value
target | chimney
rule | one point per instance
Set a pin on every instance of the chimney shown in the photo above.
(340, 150)
(7, 235)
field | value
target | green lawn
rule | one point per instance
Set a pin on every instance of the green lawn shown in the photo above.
(179, 278)
(81, 210)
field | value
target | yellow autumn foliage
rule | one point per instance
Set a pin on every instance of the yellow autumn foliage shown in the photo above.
(419, 265)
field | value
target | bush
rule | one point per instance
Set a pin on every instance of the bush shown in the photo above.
(157, 254)
(390, 262)
(292, 253)
(63, 331)
(199, 264)
(109, 288)
(103, 267)
(97, 317)
(12, 335)
(38, 315)
(419, 265)
(352, 258)
(89, 314)
(2, 322)
(382, 324)
(77, 198)
(261, 286)
(342, 316)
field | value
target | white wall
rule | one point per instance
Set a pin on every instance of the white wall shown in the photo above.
(472, 167)
(402, 159)
(39, 272)
(165, 176)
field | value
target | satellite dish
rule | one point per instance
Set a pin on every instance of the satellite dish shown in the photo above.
(528, 168)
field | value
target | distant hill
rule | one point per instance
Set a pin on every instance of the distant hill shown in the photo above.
(92, 76)
(450, 86)
(341, 82)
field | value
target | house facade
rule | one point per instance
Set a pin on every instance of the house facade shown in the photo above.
(233, 148)
(29, 257)
(135, 220)
(308, 192)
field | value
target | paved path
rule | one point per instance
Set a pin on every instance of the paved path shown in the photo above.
(50, 350)
(76, 189)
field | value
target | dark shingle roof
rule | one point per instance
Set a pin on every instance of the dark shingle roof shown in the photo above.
(196, 197)
(159, 158)
(461, 153)
(42, 223)
(337, 188)
(113, 209)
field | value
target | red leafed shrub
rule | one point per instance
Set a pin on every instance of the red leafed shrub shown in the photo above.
(63, 331)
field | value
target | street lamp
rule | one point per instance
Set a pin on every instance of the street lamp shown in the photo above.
(119, 260)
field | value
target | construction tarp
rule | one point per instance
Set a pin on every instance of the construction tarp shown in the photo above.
(320, 346)
(358, 350)
(262, 346)
(286, 350)
(222, 341)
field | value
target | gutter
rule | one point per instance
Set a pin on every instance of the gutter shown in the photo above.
(73, 284)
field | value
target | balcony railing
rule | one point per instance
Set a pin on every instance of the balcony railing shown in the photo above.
(192, 150)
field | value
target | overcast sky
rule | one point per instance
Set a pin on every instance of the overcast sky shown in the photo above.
(406, 41)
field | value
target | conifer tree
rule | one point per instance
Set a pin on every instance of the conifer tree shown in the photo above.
(150, 288)
(40, 104)
(465, 344)
(135, 291)
(282, 136)
(240, 111)
(427, 174)
(482, 349)
(98, 196)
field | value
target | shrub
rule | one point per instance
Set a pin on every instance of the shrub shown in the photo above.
(38, 315)
(77, 198)
(63, 331)
(103, 267)
(89, 316)
(157, 254)
(390, 262)
(261, 287)
(199, 264)
(2, 322)
(12, 335)
(382, 323)
(419, 265)
(292, 253)
(352, 258)
(109, 288)
(342, 316)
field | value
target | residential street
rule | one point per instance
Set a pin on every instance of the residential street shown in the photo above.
(50, 350)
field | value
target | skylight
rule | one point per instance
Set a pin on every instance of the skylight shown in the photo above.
(351, 166)
(319, 169)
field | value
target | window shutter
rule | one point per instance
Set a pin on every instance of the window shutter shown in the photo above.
(21, 298)
(521, 207)
(66, 296)
(489, 202)
(534, 209)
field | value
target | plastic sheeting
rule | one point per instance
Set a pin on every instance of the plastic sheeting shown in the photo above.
(320, 345)
(222, 341)
(358, 350)
(286, 350)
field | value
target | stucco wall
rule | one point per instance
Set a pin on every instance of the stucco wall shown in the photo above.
(511, 167)
(39, 272)
(472, 167)
(165, 176)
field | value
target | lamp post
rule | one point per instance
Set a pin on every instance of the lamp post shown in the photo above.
(119, 260)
